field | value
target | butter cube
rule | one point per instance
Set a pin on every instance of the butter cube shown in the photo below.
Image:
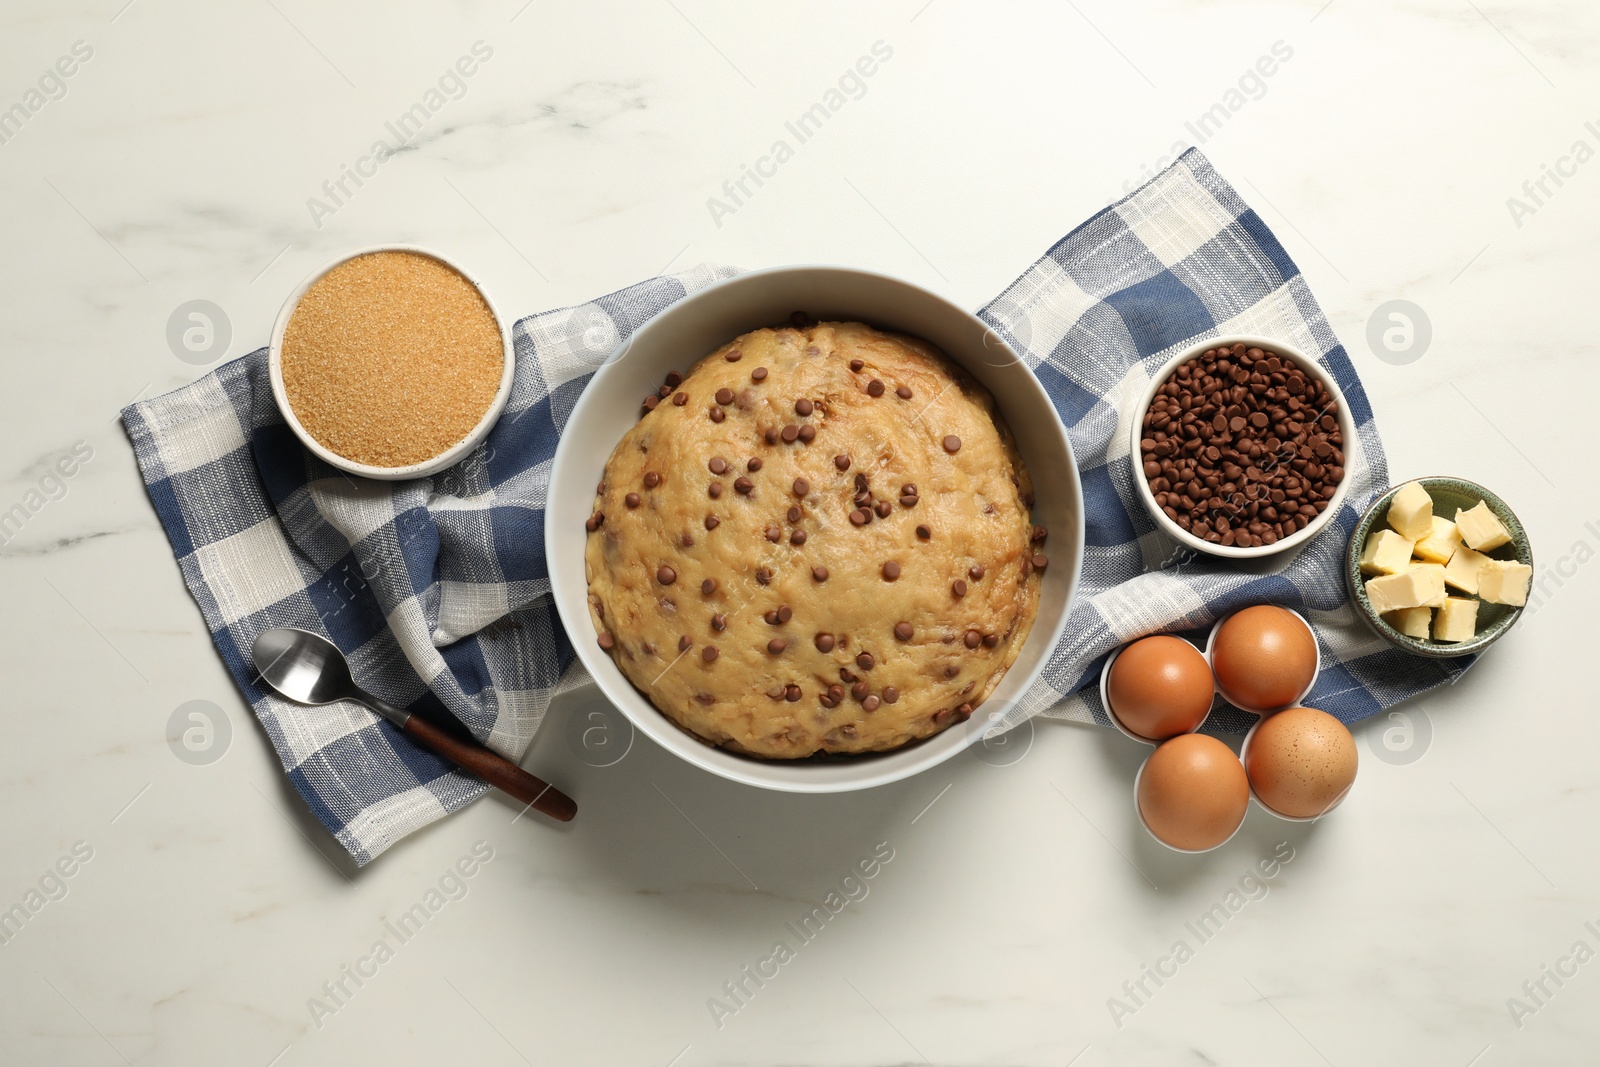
(1480, 529)
(1505, 582)
(1413, 622)
(1386, 553)
(1415, 588)
(1435, 579)
(1411, 512)
(1457, 620)
(1441, 544)
(1462, 570)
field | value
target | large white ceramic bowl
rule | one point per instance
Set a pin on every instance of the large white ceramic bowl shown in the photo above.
(699, 323)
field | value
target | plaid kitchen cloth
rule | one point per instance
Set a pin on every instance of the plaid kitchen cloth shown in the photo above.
(437, 589)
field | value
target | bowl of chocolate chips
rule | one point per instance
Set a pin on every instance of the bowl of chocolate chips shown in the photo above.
(1239, 447)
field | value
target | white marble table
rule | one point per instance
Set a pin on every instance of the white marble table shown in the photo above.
(212, 915)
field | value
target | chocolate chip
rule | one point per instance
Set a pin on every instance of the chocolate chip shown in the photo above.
(875, 388)
(777, 645)
(680, 399)
(958, 587)
(716, 414)
(759, 374)
(712, 522)
(972, 639)
(685, 643)
(924, 532)
(724, 395)
(666, 575)
(859, 517)
(708, 586)
(792, 693)
(797, 538)
(861, 481)
(650, 402)
(870, 704)
(803, 407)
(673, 379)
(714, 490)
(908, 501)
(793, 514)
(903, 630)
(903, 392)
(773, 533)
(743, 485)
(790, 433)
(607, 642)
(891, 571)
(891, 695)
(952, 444)
(753, 465)
(842, 462)
(964, 711)
(1039, 561)
(819, 574)
(808, 433)
(801, 487)
(865, 661)
(785, 613)
(593, 522)
(975, 572)
(1039, 534)
(763, 575)
(709, 653)
(856, 365)
(718, 465)
(733, 356)
(632, 500)
(860, 690)
(991, 640)
(824, 642)
(770, 436)
(719, 622)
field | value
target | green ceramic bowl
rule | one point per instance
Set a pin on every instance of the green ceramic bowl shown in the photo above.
(1449, 495)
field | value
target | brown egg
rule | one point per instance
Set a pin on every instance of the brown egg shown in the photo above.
(1301, 762)
(1264, 658)
(1160, 687)
(1192, 792)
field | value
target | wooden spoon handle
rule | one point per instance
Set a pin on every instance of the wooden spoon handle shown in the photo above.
(494, 769)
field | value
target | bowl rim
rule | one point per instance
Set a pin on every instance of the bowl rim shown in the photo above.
(1352, 447)
(450, 456)
(1355, 581)
(876, 769)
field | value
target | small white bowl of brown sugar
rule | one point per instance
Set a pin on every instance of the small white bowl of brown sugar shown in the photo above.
(391, 363)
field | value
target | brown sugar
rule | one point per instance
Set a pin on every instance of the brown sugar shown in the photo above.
(391, 358)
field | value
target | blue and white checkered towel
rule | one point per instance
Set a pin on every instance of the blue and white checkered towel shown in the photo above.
(437, 588)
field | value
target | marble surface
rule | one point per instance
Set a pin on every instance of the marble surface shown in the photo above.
(1016, 911)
